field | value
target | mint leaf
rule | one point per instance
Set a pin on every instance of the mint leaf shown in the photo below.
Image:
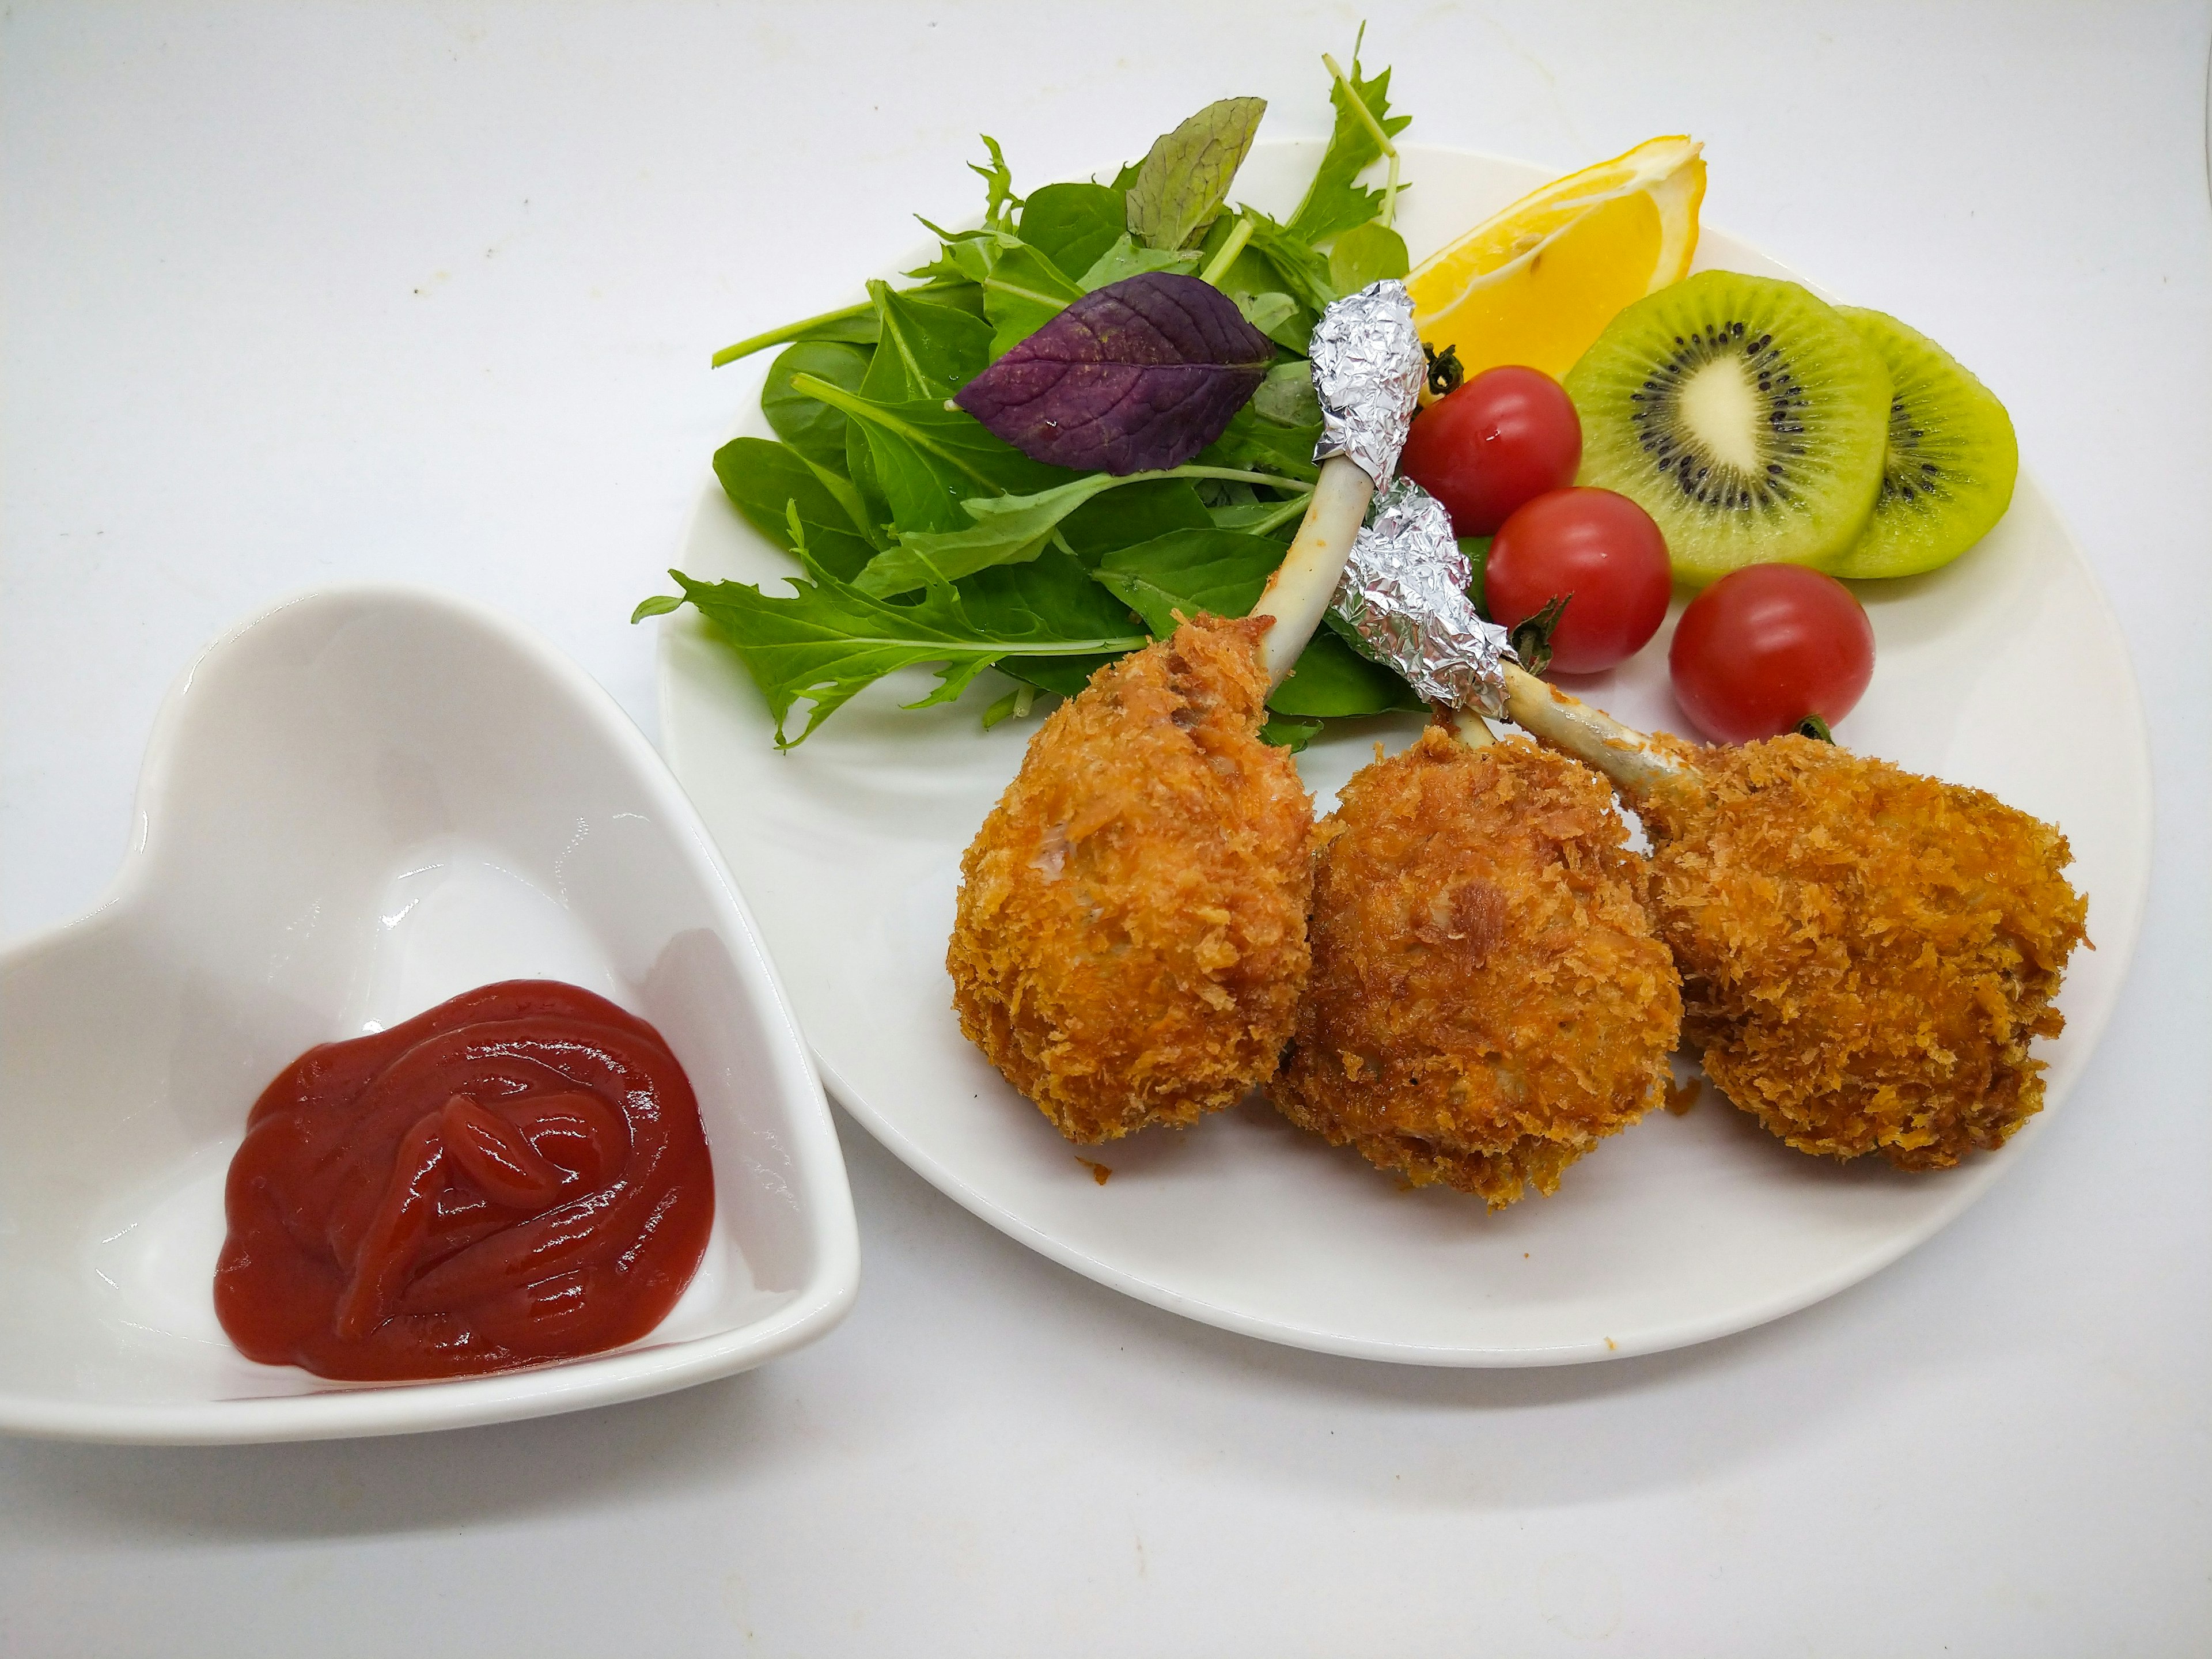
(1183, 180)
(827, 640)
(1333, 203)
(808, 426)
(767, 482)
(1071, 225)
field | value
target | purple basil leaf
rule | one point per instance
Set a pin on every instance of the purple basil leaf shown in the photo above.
(1138, 376)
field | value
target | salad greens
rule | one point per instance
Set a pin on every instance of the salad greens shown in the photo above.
(923, 537)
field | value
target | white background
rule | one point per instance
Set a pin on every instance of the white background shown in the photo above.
(290, 294)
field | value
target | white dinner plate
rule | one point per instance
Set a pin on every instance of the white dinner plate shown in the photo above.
(2007, 671)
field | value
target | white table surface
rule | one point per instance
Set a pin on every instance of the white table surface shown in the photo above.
(425, 292)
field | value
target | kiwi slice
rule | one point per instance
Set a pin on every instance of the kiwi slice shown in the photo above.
(1744, 415)
(1947, 473)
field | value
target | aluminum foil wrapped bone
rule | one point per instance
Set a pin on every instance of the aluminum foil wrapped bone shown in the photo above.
(1367, 372)
(1404, 591)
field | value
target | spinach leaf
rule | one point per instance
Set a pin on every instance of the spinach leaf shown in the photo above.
(828, 641)
(1366, 253)
(1071, 225)
(1184, 178)
(768, 483)
(923, 350)
(813, 428)
(1333, 203)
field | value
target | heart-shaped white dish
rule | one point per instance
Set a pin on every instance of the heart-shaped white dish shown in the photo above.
(359, 803)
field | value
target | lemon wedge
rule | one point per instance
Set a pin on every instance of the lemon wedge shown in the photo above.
(1536, 284)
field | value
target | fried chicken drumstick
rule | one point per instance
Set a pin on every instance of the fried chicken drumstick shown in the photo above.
(1866, 954)
(1129, 943)
(1487, 997)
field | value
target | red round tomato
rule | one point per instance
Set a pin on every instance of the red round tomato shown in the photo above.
(1600, 549)
(1766, 646)
(1507, 435)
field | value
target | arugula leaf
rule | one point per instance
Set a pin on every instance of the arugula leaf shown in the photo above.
(768, 482)
(1184, 178)
(999, 199)
(1059, 594)
(1007, 530)
(813, 428)
(1217, 570)
(929, 459)
(1333, 203)
(1366, 253)
(923, 350)
(1071, 225)
(828, 641)
(1299, 271)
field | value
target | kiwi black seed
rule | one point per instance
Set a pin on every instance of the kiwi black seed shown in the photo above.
(1745, 415)
(1950, 461)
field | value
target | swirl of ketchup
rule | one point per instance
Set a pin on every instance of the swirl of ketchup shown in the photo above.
(519, 1175)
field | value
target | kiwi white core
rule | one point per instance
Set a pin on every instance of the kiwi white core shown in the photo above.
(1720, 407)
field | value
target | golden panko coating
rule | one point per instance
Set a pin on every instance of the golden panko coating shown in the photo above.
(1487, 999)
(1131, 937)
(1866, 953)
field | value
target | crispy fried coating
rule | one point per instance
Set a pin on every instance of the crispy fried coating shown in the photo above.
(1487, 999)
(1866, 954)
(1130, 941)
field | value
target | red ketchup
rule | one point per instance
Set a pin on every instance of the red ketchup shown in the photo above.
(519, 1175)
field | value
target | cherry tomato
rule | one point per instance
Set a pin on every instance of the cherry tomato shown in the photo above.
(1765, 646)
(1600, 549)
(1507, 435)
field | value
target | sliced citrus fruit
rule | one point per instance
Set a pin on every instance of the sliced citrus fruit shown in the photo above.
(1536, 284)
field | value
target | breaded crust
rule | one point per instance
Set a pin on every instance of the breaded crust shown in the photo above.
(1130, 940)
(1487, 1000)
(1866, 953)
